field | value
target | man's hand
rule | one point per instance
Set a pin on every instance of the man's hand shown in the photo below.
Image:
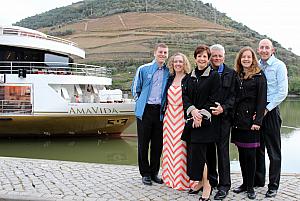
(255, 127)
(217, 110)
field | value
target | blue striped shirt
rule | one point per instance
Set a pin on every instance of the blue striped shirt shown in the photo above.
(156, 90)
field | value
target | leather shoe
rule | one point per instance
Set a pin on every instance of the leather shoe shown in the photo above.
(271, 193)
(146, 180)
(220, 195)
(239, 189)
(204, 199)
(156, 179)
(251, 195)
(192, 192)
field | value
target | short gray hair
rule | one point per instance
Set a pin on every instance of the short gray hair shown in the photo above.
(217, 47)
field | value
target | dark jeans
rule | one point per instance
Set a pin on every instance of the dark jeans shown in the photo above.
(220, 151)
(271, 140)
(247, 162)
(150, 131)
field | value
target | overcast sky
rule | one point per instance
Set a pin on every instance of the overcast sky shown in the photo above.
(279, 20)
(275, 18)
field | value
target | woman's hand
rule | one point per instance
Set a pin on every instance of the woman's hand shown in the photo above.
(196, 114)
(255, 127)
(197, 123)
(197, 118)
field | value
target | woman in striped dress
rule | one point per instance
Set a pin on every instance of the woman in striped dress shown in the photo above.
(174, 162)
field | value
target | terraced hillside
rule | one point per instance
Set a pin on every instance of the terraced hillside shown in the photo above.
(131, 35)
(121, 34)
(124, 41)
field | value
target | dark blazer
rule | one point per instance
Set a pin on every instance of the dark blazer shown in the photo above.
(251, 99)
(227, 92)
(201, 92)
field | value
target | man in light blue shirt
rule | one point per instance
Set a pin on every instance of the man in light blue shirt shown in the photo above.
(277, 89)
(148, 89)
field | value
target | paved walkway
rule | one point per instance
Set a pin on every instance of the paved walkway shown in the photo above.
(31, 179)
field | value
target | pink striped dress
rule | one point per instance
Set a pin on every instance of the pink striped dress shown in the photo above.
(174, 162)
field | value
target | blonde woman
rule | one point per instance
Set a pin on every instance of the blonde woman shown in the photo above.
(174, 163)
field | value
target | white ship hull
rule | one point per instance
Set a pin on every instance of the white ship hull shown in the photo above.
(49, 97)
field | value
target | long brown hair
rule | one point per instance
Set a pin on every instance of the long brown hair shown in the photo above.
(254, 68)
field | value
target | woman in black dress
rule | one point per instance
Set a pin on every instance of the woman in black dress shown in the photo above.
(251, 96)
(199, 95)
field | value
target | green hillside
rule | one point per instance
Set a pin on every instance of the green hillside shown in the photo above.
(124, 48)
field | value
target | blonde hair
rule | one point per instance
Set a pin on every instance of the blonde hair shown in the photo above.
(254, 68)
(186, 63)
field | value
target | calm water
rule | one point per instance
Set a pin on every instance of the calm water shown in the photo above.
(124, 150)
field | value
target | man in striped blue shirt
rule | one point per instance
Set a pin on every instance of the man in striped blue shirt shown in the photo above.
(148, 90)
(277, 89)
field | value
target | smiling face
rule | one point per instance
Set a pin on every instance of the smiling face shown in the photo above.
(202, 60)
(178, 64)
(217, 57)
(265, 49)
(247, 59)
(161, 54)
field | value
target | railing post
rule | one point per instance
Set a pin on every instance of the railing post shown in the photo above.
(11, 68)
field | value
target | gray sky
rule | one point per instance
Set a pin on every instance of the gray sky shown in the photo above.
(275, 18)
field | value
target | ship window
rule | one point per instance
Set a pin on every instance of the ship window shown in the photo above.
(15, 99)
(64, 93)
(78, 89)
(53, 60)
(9, 56)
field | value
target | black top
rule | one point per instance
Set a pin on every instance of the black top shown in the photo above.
(251, 100)
(201, 91)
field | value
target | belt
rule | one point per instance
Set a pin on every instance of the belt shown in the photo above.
(154, 106)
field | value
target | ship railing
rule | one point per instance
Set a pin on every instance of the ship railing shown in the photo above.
(15, 107)
(57, 68)
(34, 34)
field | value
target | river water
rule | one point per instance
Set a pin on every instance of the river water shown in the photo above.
(124, 150)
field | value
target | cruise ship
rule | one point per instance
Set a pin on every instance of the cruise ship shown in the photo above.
(43, 92)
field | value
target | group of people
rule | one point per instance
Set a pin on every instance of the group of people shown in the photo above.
(187, 115)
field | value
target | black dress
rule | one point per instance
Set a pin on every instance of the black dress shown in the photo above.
(201, 92)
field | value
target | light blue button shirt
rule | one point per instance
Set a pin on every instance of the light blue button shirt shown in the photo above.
(156, 90)
(277, 81)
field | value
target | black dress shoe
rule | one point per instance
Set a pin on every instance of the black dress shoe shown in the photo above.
(251, 195)
(147, 180)
(271, 193)
(220, 195)
(192, 192)
(156, 179)
(204, 199)
(240, 189)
